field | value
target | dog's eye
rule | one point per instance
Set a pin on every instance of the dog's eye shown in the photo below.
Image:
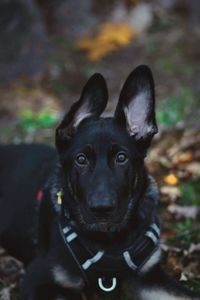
(81, 159)
(121, 158)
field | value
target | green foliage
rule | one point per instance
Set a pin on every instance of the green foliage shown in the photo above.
(59, 87)
(170, 114)
(187, 232)
(183, 226)
(2, 285)
(163, 23)
(167, 64)
(190, 193)
(194, 284)
(88, 70)
(150, 47)
(30, 121)
(175, 109)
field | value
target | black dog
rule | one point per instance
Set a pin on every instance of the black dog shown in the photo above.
(85, 220)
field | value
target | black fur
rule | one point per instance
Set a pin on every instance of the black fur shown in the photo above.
(106, 191)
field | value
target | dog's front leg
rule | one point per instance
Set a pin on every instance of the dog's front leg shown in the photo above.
(157, 285)
(39, 284)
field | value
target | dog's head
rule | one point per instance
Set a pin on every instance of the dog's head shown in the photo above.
(102, 158)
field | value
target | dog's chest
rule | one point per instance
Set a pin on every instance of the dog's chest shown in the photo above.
(64, 279)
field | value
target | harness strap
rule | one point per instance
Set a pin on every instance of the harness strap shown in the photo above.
(92, 260)
(94, 266)
(129, 261)
(69, 248)
(98, 268)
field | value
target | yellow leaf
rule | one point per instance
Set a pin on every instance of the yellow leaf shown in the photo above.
(98, 53)
(110, 37)
(171, 179)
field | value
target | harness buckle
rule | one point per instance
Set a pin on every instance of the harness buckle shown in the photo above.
(107, 289)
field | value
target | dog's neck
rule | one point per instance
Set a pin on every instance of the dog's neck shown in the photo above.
(110, 240)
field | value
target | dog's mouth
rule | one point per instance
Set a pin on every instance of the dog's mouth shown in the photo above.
(102, 216)
(102, 222)
(97, 217)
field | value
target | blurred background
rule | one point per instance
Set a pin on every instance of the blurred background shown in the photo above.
(49, 49)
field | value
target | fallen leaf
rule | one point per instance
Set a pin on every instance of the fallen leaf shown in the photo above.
(174, 264)
(172, 192)
(10, 269)
(183, 277)
(194, 248)
(191, 269)
(168, 234)
(184, 211)
(171, 179)
(183, 157)
(169, 248)
(183, 174)
(197, 154)
(163, 161)
(193, 168)
(5, 293)
(110, 37)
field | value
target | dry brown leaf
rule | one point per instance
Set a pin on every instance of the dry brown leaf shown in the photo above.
(197, 154)
(183, 174)
(171, 179)
(175, 264)
(193, 168)
(165, 162)
(189, 140)
(17, 99)
(10, 269)
(184, 157)
(110, 37)
(192, 268)
(168, 234)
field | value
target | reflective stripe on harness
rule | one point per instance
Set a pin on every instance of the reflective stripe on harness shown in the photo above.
(103, 270)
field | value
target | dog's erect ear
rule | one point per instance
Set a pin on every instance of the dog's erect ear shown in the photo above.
(92, 103)
(136, 106)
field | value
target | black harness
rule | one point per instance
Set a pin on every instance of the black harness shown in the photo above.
(101, 270)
